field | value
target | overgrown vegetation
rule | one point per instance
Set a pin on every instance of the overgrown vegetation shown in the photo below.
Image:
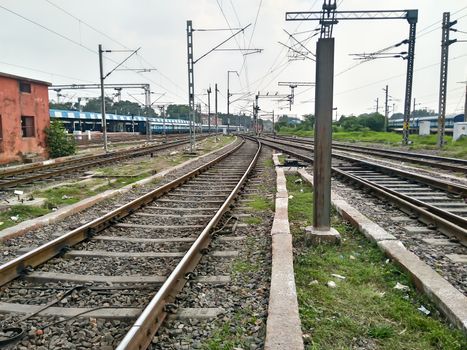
(260, 203)
(372, 121)
(67, 194)
(456, 149)
(229, 337)
(364, 122)
(57, 140)
(293, 126)
(254, 220)
(17, 213)
(364, 310)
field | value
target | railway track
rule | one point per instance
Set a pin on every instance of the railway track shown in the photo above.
(136, 259)
(12, 178)
(456, 165)
(439, 204)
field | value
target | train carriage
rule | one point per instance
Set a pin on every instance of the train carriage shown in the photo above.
(397, 124)
(84, 121)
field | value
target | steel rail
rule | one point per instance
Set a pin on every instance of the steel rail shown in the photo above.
(142, 332)
(451, 225)
(453, 164)
(442, 185)
(60, 245)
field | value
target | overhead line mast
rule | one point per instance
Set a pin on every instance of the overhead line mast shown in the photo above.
(324, 96)
(191, 74)
(443, 80)
(293, 85)
(329, 16)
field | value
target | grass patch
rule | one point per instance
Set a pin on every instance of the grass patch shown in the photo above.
(301, 205)
(268, 163)
(254, 220)
(456, 149)
(380, 331)
(23, 212)
(281, 158)
(368, 136)
(229, 337)
(121, 182)
(234, 333)
(291, 131)
(261, 203)
(210, 143)
(243, 266)
(72, 193)
(64, 195)
(364, 310)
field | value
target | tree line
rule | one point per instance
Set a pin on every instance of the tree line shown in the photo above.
(94, 105)
(362, 122)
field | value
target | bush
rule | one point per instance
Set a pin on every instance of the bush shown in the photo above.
(373, 122)
(58, 142)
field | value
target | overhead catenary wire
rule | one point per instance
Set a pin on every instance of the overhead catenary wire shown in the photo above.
(64, 36)
(46, 72)
(236, 41)
(49, 30)
(253, 74)
(420, 33)
(379, 81)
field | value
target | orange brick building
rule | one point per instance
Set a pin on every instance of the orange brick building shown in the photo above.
(24, 115)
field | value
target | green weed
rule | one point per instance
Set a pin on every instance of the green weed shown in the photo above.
(22, 212)
(364, 308)
(261, 203)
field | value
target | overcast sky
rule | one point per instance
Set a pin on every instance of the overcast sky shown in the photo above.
(159, 27)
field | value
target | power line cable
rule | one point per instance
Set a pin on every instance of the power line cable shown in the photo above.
(45, 72)
(119, 43)
(49, 30)
(87, 24)
(397, 76)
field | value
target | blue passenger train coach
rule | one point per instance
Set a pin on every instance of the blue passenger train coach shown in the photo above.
(397, 124)
(83, 121)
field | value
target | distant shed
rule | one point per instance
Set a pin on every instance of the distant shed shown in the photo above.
(24, 115)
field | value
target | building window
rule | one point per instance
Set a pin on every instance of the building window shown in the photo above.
(24, 87)
(27, 126)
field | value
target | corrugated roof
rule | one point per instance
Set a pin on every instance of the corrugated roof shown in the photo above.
(17, 77)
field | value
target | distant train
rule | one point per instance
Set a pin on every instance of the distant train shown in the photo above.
(397, 124)
(83, 121)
